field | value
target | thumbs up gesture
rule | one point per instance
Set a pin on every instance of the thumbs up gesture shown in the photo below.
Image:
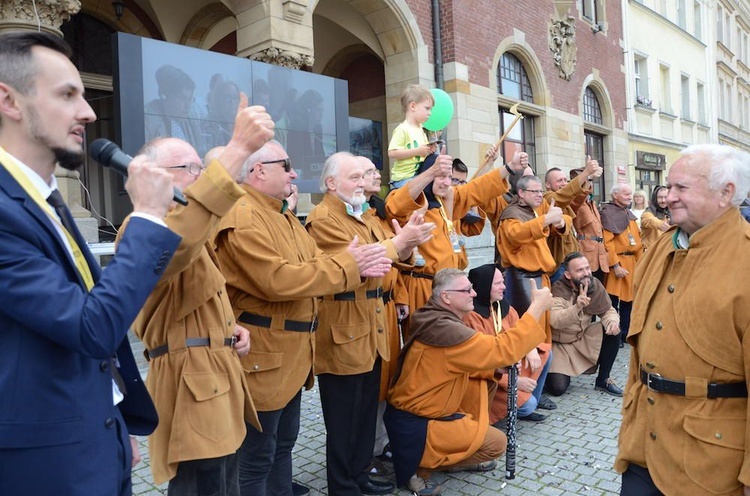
(554, 216)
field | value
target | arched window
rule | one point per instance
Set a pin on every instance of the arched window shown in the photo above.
(512, 80)
(513, 83)
(592, 111)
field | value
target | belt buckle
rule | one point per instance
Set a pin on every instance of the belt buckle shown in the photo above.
(649, 376)
(379, 292)
(232, 341)
(314, 324)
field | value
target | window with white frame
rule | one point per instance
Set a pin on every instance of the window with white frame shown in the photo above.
(698, 19)
(685, 96)
(640, 70)
(681, 14)
(665, 100)
(720, 24)
(701, 94)
(593, 10)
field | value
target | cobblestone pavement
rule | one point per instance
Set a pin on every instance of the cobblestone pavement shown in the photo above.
(571, 453)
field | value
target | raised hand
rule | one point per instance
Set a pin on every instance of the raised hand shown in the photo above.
(541, 299)
(554, 216)
(415, 232)
(583, 299)
(150, 187)
(592, 168)
(520, 160)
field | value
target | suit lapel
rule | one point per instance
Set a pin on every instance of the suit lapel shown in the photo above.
(14, 191)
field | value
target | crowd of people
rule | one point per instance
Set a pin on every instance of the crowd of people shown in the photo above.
(240, 307)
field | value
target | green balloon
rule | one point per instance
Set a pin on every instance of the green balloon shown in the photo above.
(442, 112)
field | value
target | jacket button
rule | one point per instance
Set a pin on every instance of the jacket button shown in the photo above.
(255, 367)
(650, 365)
(659, 326)
(229, 322)
(104, 366)
(670, 288)
(717, 435)
(377, 310)
(650, 400)
(351, 337)
(109, 423)
(653, 436)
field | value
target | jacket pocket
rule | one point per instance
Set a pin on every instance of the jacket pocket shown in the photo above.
(263, 372)
(720, 440)
(209, 396)
(351, 346)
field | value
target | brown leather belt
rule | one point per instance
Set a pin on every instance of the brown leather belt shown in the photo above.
(352, 296)
(657, 383)
(627, 253)
(590, 238)
(387, 296)
(418, 275)
(189, 343)
(289, 325)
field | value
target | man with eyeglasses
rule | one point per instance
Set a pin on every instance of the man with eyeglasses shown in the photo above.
(525, 225)
(275, 276)
(352, 337)
(444, 368)
(191, 338)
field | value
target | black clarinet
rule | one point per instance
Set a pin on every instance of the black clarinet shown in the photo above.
(510, 453)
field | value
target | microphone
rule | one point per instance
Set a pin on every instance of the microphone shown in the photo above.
(109, 155)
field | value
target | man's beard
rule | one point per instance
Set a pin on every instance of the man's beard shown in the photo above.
(67, 158)
(579, 282)
(355, 201)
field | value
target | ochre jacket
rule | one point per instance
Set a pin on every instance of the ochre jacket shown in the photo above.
(193, 387)
(499, 404)
(436, 382)
(617, 245)
(570, 197)
(588, 224)
(351, 334)
(690, 323)
(650, 228)
(438, 252)
(274, 269)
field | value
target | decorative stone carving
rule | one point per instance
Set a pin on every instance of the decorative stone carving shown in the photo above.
(283, 58)
(294, 10)
(562, 44)
(19, 14)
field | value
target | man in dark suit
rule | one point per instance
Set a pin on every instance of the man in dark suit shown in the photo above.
(69, 387)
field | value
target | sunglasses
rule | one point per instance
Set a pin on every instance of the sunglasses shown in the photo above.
(286, 161)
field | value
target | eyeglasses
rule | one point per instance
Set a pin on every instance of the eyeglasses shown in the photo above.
(534, 191)
(371, 172)
(457, 182)
(467, 290)
(286, 161)
(193, 168)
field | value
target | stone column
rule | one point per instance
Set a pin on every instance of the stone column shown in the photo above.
(47, 15)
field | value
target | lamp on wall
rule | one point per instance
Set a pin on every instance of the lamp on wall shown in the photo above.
(119, 7)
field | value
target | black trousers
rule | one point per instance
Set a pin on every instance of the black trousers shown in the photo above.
(350, 408)
(636, 481)
(623, 308)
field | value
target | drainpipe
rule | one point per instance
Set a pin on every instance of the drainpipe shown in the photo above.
(437, 42)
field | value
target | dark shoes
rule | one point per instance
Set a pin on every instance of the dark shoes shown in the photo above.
(546, 404)
(299, 489)
(610, 388)
(533, 417)
(376, 487)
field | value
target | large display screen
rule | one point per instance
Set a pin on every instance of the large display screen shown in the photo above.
(164, 89)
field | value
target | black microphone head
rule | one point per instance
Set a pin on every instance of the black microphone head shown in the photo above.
(102, 150)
